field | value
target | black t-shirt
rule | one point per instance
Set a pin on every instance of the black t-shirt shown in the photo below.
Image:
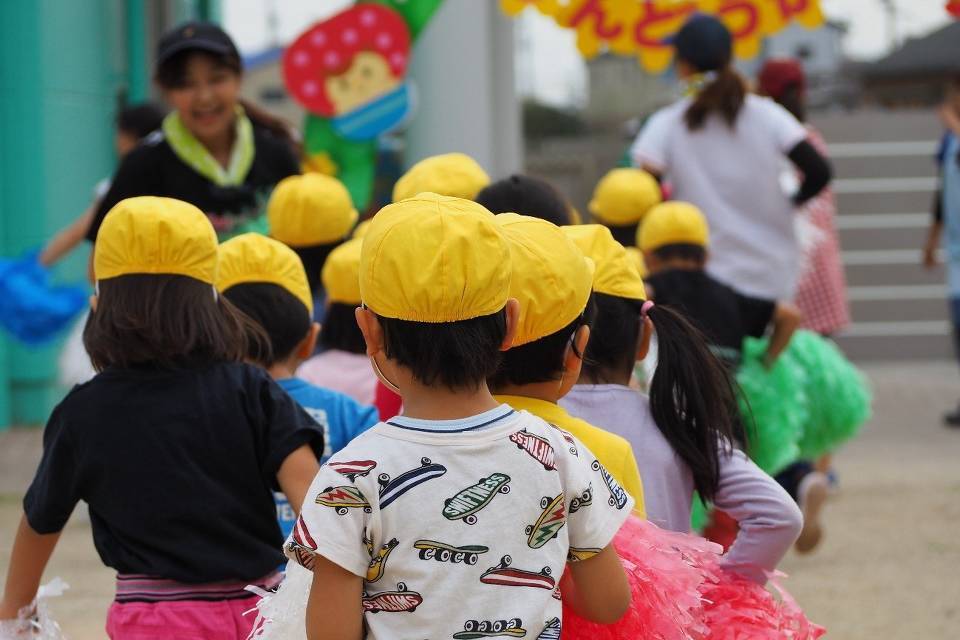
(178, 467)
(153, 169)
(725, 316)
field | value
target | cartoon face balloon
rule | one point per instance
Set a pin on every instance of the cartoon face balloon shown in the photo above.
(351, 69)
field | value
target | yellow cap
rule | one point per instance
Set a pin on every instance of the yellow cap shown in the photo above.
(451, 174)
(637, 256)
(361, 229)
(253, 258)
(309, 210)
(155, 236)
(552, 279)
(624, 196)
(673, 223)
(433, 258)
(616, 272)
(341, 273)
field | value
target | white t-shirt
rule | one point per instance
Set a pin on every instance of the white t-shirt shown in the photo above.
(460, 528)
(733, 176)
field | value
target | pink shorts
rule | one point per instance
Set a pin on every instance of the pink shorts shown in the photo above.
(169, 611)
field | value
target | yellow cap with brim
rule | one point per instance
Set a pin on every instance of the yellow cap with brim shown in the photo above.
(616, 272)
(673, 223)
(451, 174)
(309, 210)
(552, 279)
(637, 257)
(624, 196)
(433, 258)
(151, 235)
(252, 258)
(341, 273)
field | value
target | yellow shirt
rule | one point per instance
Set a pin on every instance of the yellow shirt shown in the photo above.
(613, 452)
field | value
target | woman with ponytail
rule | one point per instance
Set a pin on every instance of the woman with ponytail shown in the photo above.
(722, 149)
(686, 435)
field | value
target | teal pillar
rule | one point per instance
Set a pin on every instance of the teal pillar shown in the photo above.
(57, 99)
(138, 73)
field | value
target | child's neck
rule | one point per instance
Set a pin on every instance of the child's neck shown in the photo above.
(547, 391)
(284, 369)
(605, 377)
(440, 403)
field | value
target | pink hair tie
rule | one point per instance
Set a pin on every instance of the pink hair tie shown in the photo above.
(645, 309)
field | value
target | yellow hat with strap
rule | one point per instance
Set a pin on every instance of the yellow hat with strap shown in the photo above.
(151, 235)
(252, 258)
(624, 196)
(616, 272)
(341, 273)
(673, 223)
(309, 210)
(552, 279)
(450, 174)
(433, 258)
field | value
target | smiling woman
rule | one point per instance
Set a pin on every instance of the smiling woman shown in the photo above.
(213, 150)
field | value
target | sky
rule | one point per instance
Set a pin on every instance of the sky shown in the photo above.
(548, 64)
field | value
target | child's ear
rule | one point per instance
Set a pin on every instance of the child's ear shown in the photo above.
(371, 330)
(513, 323)
(643, 343)
(573, 357)
(309, 343)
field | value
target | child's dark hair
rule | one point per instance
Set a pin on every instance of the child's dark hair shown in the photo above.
(340, 330)
(313, 258)
(284, 319)
(692, 252)
(625, 234)
(527, 196)
(457, 355)
(140, 120)
(166, 321)
(540, 360)
(724, 95)
(692, 397)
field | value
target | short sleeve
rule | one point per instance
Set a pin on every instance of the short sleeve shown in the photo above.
(757, 313)
(650, 147)
(598, 506)
(54, 492)
(630, 477)
(786, 130)
(287, 427)
(135, 177)
(334, 523)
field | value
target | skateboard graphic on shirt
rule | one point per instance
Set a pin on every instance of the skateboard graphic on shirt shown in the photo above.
(353, 469)
(551, 631)
(397, 601)
(618, 497)
(568, 438)
(443, 552)
(342, 499)
(539, 448)
(302, 545)
(548, 525)
(465, 504)
(391, 489)
(504, 575)
(512, 628)
(378, 563)
(585, 499)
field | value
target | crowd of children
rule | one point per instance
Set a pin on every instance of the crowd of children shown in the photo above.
(472, 354)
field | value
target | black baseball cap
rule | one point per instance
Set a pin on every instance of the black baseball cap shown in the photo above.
(704, 42)
(195, 36)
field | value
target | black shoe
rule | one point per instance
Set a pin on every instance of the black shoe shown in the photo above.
(952, 419)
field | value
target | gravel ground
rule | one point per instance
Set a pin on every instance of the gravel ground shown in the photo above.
(887, 567)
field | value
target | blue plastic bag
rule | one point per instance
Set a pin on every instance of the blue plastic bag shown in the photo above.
(31, 309)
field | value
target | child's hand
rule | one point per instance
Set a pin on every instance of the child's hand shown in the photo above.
(930, 260)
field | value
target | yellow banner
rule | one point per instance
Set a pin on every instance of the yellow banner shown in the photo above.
(638, 27)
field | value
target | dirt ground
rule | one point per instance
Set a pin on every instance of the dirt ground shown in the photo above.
(888, 567)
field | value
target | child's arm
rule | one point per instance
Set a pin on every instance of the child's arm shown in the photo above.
(68, 237)
(933, 243)
(334, 610)
(296, 473)
(786, 320)
(29, 557)
(597, 588)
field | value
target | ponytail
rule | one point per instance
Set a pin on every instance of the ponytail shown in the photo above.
(692, 398)
(724, 95)
(276, 126)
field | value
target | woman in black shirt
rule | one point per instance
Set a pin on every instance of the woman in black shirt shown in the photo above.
(213, 150)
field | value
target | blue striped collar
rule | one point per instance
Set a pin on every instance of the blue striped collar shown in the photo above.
(480, 422)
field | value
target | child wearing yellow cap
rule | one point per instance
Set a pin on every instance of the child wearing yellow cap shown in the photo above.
(265, 280)
(686, 433)
(621, 200)
(175, 444)
(342, 363)
(455, 518)
(449, 174)
(312, 214)
(553, 281)
(528, 196)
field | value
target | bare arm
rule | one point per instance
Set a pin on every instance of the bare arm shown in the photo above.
(296, 473)
(786, 320)
(597, 588)
(68, 237)
(334, 610)
(28, 559)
